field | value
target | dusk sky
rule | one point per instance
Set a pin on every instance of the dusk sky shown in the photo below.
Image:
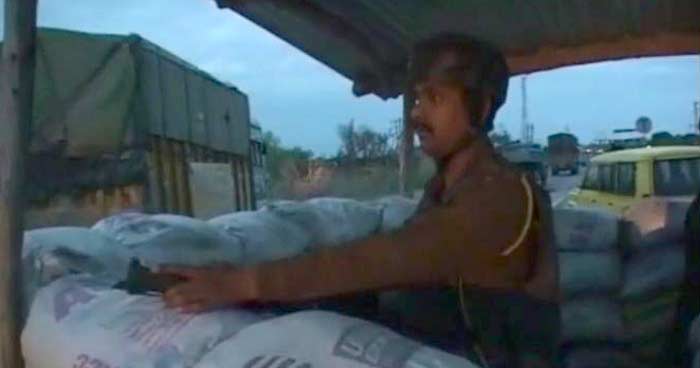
(302, 101)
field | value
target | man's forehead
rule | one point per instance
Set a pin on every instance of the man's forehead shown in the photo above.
(445, 60)
(446, 68)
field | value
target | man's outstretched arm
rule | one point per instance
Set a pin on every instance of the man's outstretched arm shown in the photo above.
(463, 239)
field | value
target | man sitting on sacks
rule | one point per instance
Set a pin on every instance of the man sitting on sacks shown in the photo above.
(482, 226)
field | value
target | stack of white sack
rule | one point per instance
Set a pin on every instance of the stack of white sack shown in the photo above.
(79, 321)
(590, 278)
(239, 238)
(654, 265)
(104, 251)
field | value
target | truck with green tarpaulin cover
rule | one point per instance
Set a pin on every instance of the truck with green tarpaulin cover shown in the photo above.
(120, 123)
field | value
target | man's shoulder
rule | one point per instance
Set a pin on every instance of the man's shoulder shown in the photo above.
(499, 174)
(497, 181)
(507, 168)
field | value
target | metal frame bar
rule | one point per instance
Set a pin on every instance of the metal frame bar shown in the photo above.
(16, 94)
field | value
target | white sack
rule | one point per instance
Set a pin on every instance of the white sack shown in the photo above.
(263, 235)
(591, 319)
(650, 318)
(595, 272)
(653, 271)
(171, 239)
(396, 210)
(583, 229)
(80, 322)
(332, 221)
(51, 253)
(322, 339)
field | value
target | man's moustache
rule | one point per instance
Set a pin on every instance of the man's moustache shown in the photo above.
(421, 128)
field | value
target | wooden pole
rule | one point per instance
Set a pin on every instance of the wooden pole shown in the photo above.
(16, 92)
(406, 144)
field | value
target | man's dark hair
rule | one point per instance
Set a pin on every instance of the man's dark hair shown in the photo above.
(480, 68)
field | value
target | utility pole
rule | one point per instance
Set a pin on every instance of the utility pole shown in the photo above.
(395, 132)
(696, 117)
(696, 113)
(524, 124)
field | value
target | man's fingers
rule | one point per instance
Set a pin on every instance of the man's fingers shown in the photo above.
(193, 308)
(185, 301)
(181, 295)
(219, 266)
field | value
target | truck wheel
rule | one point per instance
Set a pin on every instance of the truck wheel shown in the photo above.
(574, 171)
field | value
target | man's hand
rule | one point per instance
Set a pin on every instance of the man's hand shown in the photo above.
(208, 288)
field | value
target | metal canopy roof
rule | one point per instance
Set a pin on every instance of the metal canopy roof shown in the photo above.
(368, 40)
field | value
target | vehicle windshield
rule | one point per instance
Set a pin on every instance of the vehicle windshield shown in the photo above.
(677, 177)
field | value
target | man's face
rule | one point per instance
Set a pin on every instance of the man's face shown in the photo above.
(439, 114)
